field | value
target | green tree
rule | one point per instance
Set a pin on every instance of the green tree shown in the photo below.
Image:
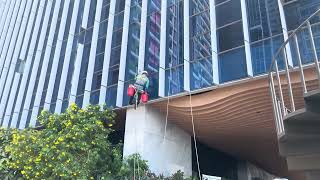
(73, 144)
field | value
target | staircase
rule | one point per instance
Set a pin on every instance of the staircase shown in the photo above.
(296, 101)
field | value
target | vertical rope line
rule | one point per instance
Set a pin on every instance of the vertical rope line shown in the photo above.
(194, 135)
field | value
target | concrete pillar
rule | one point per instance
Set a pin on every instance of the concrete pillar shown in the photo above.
(144, 134)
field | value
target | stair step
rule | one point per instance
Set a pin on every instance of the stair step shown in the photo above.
(312, 95)
(312, 101)
(302, 116)
(295, 147)
(306, 162)
(289, 137)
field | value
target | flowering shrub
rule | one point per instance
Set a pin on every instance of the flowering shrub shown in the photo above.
(73, 144)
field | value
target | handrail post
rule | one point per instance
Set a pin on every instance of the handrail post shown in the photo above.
(303, 82)
(293, 108)
(314, 52)
(274, 103)
(280, 88)
(280, 118)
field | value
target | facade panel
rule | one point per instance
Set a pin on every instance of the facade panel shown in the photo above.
(61, 51)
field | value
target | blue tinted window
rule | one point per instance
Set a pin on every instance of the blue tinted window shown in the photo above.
(230, 37)
(232, 65)
(94, 97)
(201, 73)
(228, 12)
(174, 52)
(174, 80)
(263, 52)
(200, 46)
(152, 47)
(111, 97)
(200, 23)
(264, 19)
(299, 11)
(105, 12)
(261, 55)
(199, 6)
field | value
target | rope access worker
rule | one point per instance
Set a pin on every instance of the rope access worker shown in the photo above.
(141, 85)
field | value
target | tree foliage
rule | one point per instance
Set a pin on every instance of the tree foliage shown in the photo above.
(71, 145)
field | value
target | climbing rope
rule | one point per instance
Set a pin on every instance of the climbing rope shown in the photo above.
(135, 158)
(191, 111)
(167, 114)
(194, 134)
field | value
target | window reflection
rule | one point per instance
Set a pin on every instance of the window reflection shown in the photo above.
(230, 37)
(298, 11)
(232, 65)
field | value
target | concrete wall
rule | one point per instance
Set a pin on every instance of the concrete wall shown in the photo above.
(144, 134)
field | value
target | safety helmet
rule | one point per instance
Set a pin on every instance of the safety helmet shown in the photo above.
(144, 72)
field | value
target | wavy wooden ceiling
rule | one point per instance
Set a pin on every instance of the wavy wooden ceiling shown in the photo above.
(238, 119)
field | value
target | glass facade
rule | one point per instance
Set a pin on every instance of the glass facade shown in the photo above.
(90, 51)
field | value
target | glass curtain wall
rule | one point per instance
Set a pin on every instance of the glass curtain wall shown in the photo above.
(86, 38)
(174, 48)
(265, 32)
(231, 52)
(115, 54)
(296, 12)
(133, 46)
(200, 45)
(99, 59)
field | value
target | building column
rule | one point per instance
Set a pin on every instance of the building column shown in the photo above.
(214, 43)
(143, 35)
(285, 32)
(246, 36)
(186, 45)
(123, 54)
(144, 134)
(163, 42)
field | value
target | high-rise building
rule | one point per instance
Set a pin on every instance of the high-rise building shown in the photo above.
(55, 52)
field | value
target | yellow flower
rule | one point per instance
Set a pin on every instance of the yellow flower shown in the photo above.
(110, 125)
(73, 106)
(23, 172)
(60, 139)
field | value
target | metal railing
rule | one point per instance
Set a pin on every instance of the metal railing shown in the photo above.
(293, 57)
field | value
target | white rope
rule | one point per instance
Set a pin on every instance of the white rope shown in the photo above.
(194, 135)
(138, 167)
(134, 155)
(192, 120)
(134, 168)
(167, 115)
